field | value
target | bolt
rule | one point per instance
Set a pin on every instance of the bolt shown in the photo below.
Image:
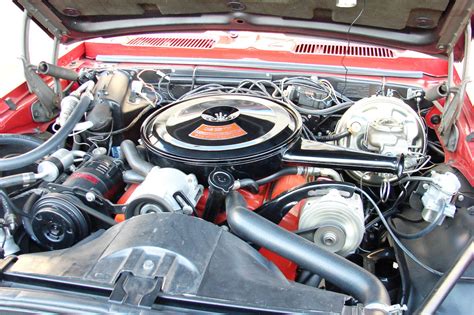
(90, 196)
(460, 197)
(329, 239)
(148, 264)
(355, 127)
(426, 186)
(435, 119)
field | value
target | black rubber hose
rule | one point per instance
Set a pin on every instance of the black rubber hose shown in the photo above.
(57, 71)
(28, 142)
(334, 137)
(425, 231)
(253, 185)
(52, 144)
(6, 203)
(286, 171)
(436, 149)
(344, 274)
(8, 206)
(130, 152)
(249, 184)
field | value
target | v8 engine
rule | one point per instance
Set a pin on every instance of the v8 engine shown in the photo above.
(282, 179)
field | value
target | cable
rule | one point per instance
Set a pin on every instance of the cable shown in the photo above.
(349, 44)
(333, 137)
(398, 242)
(415, 178)
(389, 229)
(404, 218)
(428, 229)
(404, 276)
(132, 123)
(435, 148)
(9, 206)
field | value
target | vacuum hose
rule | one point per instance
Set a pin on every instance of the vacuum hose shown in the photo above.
(52, 144)
(353, 279)
(28, 142)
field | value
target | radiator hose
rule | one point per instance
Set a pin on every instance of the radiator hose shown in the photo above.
(130, 152)
(346, 275)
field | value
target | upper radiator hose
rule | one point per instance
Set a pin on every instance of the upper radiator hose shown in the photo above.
(344, 274)
(139, 165)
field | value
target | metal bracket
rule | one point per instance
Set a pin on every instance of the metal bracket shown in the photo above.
(137, 291)
(99, 201)
(455, 98)
(41, 113)
(395, 309)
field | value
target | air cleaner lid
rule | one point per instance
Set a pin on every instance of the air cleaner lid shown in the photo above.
(216, 127)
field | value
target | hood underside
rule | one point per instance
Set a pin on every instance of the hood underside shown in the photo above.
(431, 27)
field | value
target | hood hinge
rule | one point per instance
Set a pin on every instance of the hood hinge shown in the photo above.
(455, 99)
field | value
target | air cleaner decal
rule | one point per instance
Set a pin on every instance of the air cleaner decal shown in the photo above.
(213, 133)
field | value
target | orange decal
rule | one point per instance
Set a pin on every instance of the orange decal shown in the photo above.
(225, 132)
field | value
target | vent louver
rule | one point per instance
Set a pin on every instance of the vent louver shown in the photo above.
(174, 42)
(341, 50)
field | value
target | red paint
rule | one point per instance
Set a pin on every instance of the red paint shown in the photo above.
(435, 67)
(253, 202)
(88, 177)
(463, 157)
(289, 222)
(19, 120)
(123, 200)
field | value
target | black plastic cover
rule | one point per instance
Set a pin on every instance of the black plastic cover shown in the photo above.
(194, 259)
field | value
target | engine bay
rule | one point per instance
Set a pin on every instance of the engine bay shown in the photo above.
(322, 186)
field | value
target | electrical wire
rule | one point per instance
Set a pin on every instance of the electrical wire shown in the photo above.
(362, 10)
(128, 127)
(428, 229)
(398, 242)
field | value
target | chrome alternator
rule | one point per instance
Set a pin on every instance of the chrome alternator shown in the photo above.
(384, 125)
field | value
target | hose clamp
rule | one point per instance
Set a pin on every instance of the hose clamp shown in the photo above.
(395, 309)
